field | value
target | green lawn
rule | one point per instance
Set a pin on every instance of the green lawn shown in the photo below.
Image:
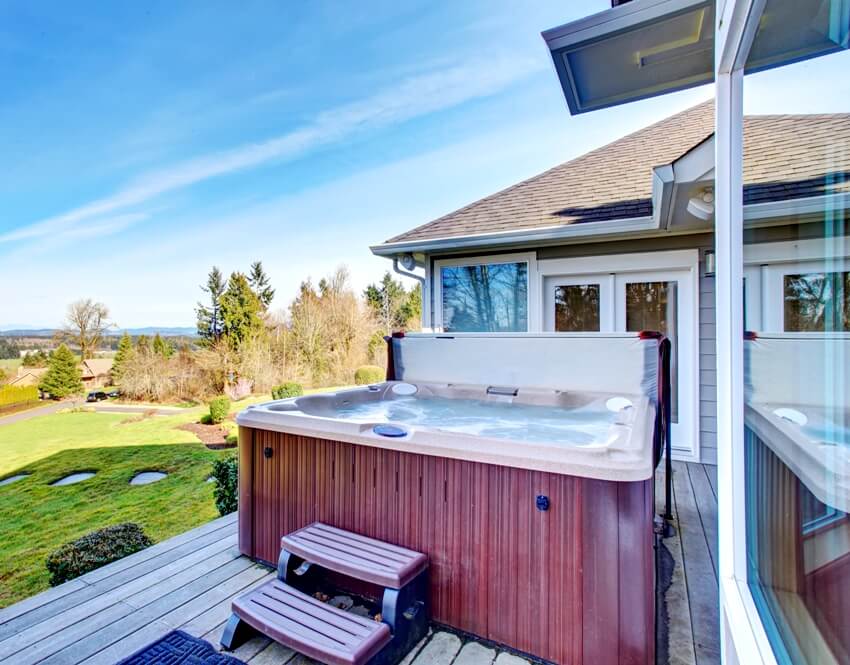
(36, 518)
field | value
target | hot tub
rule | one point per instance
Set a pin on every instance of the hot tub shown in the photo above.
(531, 490)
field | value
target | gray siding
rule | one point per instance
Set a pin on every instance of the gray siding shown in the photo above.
(707, 365)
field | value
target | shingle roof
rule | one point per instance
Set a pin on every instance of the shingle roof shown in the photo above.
(94, 367)
(784, 158)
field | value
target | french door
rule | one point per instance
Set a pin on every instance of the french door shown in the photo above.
(630, 300)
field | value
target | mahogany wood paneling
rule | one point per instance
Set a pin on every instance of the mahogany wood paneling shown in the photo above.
(573, 584)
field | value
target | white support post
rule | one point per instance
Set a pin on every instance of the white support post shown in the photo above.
(742, 634)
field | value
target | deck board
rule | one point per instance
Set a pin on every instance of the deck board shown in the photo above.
(699, 570)
(188, 582)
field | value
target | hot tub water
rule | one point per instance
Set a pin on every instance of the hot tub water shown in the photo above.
(501, 419)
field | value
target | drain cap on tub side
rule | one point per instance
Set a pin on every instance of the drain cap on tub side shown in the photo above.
(392, 431)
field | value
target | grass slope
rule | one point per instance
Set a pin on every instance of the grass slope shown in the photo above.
(35, 518)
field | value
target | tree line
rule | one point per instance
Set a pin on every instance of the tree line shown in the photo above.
(325, 334)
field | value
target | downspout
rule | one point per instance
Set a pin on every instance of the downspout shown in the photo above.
(423, 290)
(404, 273)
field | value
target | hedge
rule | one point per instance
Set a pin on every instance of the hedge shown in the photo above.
(94, 550)
(367, 374)
(286, 390)
(14, 395)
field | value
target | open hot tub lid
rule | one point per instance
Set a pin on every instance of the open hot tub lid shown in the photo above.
(616, 363)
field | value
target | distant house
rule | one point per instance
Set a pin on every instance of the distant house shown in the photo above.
(96, 372)
(28, 376)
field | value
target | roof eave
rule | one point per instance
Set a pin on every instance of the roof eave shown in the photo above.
(543, 234)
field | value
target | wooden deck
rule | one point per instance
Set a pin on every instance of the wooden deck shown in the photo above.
(189, 581)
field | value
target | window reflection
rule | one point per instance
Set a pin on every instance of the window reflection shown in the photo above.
(577, 308)
(817, 302)
(485, 298)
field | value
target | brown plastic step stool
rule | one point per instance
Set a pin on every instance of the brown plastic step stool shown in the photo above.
(285, 610)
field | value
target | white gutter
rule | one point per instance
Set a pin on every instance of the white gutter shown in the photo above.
(543, 234)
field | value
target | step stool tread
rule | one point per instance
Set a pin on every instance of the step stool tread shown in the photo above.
(317, 630)
(358, 556)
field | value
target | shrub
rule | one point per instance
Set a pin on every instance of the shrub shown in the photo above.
(286, 390)
(366, 374)
(226, 473)
(219, 408)
(94, 550)
(14, 395)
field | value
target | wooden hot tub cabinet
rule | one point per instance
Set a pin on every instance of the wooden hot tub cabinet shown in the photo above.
(571, 584)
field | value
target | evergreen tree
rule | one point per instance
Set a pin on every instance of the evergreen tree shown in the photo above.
(119, 362)
(63, 376)
(209, 317)
(143, 344)
(240, 310)
(35, 359)
(392, 305)
(162, 346)
(260, 284)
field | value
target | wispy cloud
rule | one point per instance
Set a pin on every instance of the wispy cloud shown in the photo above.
(413, 97)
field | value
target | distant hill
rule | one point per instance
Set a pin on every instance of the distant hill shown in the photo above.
(149, 330)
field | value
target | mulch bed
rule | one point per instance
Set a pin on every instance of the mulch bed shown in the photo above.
(213, 437)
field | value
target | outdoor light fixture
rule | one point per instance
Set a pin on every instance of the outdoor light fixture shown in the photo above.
(710, 263)
(702, 206)
(407, 261)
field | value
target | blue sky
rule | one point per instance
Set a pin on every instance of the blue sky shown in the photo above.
(144, 142)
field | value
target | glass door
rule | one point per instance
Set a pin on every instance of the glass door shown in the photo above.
(663, 301)
(631, 302)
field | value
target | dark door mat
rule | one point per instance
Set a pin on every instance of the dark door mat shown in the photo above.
(178, 648)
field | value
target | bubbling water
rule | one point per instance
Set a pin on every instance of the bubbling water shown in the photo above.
(489, 418)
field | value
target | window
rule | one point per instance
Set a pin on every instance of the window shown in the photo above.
(796, 416)
(486, 296)
(817, 302)
(577, 308)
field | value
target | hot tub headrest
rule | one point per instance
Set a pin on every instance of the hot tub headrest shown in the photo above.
(595, 362)
(808, 369)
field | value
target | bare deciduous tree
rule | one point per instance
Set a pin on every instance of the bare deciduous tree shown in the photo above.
(86, 322)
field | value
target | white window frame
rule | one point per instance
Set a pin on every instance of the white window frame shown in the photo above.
(765, 265)
(532, 291)
(742, 635)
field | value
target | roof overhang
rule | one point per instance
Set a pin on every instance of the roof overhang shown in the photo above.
(651, 47)
(636, 50)
(542, 235)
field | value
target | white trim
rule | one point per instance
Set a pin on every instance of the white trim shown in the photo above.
(657, 263)
(810, 205)
(540, 234)
(533, 288)
(743, 638)
(751, 644)
(678, 259)
(793, 251)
